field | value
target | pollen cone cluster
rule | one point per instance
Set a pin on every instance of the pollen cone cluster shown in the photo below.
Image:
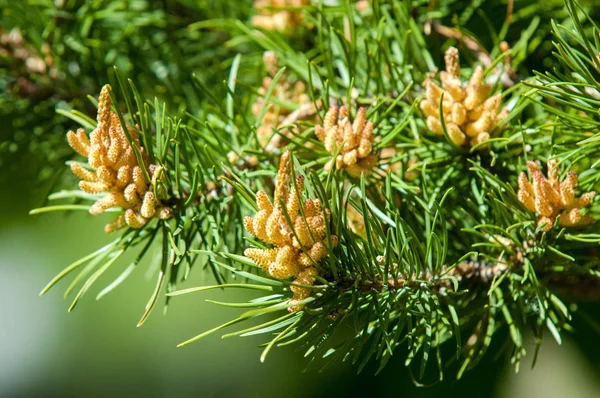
(469, 113)
(279, 15)
(114, 170)
(355, 139)
(550, 198)
(284, 91)
(297, 247)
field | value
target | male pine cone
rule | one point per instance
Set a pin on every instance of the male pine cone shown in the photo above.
(550, 198)
(114, 170)
(298, 245)
(278, 116)
(469, 113)
(356, 154)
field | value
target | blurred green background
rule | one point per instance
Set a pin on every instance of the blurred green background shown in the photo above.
(97, 351)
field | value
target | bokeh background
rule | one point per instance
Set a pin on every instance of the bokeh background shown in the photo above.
(97, 350)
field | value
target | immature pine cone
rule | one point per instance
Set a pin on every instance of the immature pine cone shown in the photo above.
(277, 14)
(470, 114)
(549, 197)
(297, 247)
(356, 155)
(113, 169)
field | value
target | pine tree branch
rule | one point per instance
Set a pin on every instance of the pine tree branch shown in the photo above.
(389, 226)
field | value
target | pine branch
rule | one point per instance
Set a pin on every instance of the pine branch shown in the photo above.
(403, 217)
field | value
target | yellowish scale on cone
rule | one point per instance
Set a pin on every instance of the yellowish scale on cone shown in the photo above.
(549, 198)
(297, 246)
(113, 170)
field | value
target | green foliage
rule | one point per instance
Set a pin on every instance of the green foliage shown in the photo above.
(145, 39)
(449, 261)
